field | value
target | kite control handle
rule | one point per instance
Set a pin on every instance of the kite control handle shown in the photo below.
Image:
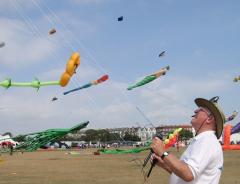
(154, 160)
(149, 156)
(171, 140)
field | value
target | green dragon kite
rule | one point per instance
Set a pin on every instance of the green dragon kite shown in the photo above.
(170, 141)
(33, 141)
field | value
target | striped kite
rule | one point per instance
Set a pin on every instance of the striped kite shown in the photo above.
(95, 82)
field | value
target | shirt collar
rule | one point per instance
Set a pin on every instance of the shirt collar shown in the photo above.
(209, 132)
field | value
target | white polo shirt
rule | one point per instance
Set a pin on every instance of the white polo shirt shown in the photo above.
(204, 157)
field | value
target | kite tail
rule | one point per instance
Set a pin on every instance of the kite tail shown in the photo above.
(131, 87)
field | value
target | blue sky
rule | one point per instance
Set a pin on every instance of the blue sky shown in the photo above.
(201, 40)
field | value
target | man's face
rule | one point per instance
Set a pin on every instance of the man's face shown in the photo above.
(200, 115)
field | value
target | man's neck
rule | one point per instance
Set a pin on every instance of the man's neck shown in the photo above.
(205, 130)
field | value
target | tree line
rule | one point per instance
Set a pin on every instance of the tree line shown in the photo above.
(103, 135)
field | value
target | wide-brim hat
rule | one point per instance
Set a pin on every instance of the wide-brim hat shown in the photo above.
(215, 110)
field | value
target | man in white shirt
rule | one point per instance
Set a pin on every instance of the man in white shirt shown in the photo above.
(202, 162)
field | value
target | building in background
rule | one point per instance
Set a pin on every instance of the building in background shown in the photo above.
(166, 129)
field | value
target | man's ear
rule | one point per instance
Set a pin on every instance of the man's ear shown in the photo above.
(210, 119)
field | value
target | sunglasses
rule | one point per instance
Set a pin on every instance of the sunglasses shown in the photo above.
(203, 110)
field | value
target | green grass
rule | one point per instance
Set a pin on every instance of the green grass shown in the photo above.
(56, 167)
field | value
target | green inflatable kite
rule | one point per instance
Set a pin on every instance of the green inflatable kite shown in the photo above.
(149, 78)
(118, 151)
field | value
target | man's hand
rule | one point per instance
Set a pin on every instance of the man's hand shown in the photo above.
(161, 163)
(157, 146)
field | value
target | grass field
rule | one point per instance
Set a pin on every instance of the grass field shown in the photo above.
(57, 167)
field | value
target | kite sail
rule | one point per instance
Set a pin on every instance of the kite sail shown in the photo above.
(150, 78)
(172, 138)
(95, 82)
(71, 67)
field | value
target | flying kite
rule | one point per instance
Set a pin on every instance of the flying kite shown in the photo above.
(161, 54)
(119, 151)
(150, 78)
(2, 44)
(95, 82)
(33, 141)
(230, 118)
(236, 79)
(120, 18)
(170, 141)
(235, 129)
(52, 31)
(71, 67)
(54, 98)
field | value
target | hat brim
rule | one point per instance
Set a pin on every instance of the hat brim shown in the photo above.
(219, 119)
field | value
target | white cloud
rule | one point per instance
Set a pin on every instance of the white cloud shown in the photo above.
(22, 48)
(10, 4)
(71, 24)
